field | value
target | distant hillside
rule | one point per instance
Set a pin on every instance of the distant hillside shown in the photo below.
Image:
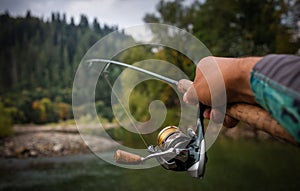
(35, 53)
(38, 60)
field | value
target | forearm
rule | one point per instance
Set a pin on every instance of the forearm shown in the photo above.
(275, 82)
(238, 86)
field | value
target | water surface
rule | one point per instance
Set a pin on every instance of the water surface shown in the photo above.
(232, 165)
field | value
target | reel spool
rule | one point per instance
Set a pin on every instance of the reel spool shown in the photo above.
(169, 137)
(172, 137)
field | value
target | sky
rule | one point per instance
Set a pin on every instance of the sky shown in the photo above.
(124, 13)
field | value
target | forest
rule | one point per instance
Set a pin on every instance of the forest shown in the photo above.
(39, 58)
(38, 62)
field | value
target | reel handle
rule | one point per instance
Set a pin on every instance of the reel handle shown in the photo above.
(123, 157)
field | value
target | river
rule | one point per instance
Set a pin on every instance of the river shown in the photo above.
(232, 165)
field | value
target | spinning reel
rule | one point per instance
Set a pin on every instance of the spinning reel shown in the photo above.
(187, 152)
(175, 151)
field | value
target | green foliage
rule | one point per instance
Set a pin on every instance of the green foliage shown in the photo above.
(236, 27)
(44, 111)
(38, 61)
(5, 122)
(17, 115)
(64, 111)
(104, 110)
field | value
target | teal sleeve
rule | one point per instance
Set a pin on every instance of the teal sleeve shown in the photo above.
(280, 101)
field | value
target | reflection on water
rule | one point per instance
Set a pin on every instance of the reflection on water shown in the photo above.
(232, 165)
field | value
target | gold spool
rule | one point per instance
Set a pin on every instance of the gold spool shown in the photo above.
(165, 133)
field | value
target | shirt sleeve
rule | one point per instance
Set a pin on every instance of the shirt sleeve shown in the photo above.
(275, 82)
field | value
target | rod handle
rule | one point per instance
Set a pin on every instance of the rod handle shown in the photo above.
(260, 119)
(123, 157)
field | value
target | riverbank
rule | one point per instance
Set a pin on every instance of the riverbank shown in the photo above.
(40, 141)
(30, 141)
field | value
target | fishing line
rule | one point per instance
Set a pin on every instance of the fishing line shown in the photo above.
(123, 107)
(105, 71)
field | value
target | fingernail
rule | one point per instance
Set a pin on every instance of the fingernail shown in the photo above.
(185, 98)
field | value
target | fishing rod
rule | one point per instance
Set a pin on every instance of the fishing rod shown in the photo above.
(175, 150)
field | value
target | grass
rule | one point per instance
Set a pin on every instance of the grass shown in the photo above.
(5, 122)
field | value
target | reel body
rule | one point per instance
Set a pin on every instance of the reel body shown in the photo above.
(180, 152)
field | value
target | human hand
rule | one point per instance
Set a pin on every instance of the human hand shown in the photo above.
(236, 78)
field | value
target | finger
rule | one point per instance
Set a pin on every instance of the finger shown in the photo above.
(183, 85)
(190, 96)
(219, 117)
(206, 113)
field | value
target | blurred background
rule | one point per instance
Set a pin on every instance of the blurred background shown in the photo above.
(42, 44)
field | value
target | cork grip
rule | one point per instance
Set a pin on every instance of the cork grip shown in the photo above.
(123, 157)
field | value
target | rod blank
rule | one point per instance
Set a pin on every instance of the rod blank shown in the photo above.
(158, 76)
